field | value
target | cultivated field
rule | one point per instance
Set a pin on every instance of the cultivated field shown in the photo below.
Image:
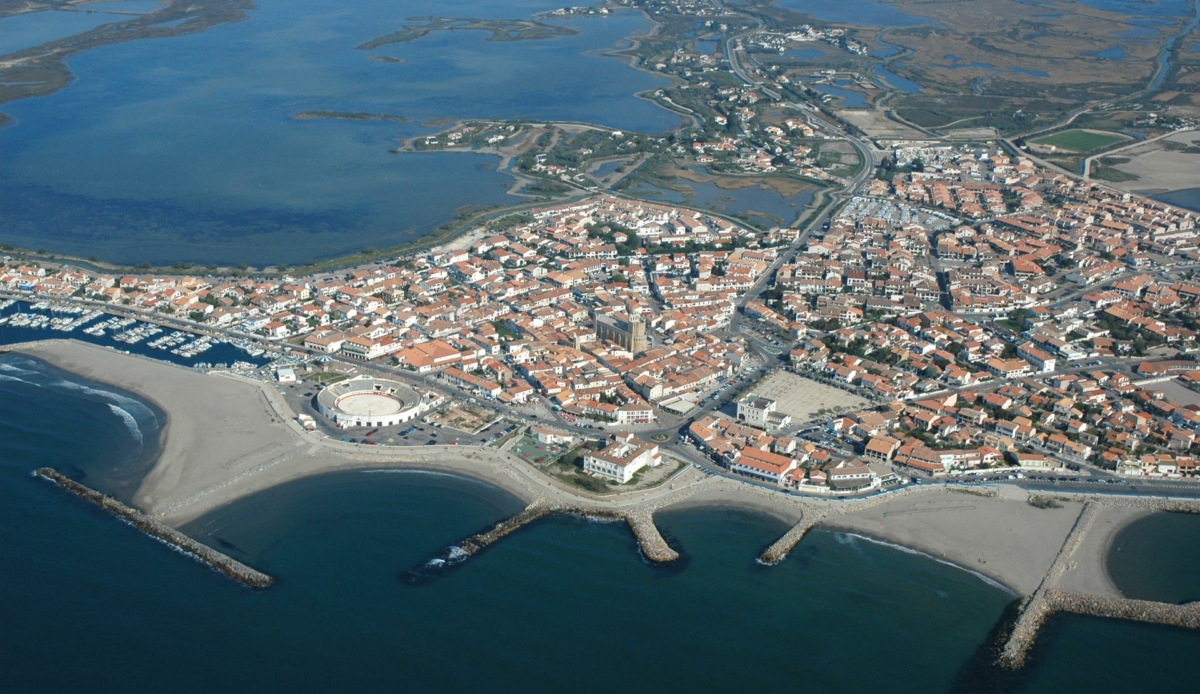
(1081, 140)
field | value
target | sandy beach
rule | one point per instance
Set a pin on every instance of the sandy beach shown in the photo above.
(1005, 539)
(224, 439)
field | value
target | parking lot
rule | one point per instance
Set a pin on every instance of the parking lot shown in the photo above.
(803, 398)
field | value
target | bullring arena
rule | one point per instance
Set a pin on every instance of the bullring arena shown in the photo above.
(369, 402)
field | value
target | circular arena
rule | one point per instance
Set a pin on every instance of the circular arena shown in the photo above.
(369, 402)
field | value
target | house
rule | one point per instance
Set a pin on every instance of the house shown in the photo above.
(881, 449)
(847, 477)
(763, 465)
(550, 436)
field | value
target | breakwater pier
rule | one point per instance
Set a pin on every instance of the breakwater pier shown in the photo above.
(202, 553)
(1050, 598)
(779, 549)
(641, 524)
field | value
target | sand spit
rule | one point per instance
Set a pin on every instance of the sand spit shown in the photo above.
(202, 553)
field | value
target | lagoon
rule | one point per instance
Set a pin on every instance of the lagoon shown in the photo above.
(21, 31)
(185, 149)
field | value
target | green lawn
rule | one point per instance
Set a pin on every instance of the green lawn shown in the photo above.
(1080, 140)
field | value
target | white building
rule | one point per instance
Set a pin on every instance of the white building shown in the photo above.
(622, 458)
(760, 412)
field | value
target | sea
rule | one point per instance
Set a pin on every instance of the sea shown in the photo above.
(563, 605)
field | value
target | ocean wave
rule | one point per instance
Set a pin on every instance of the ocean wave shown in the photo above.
(9, 368)
(130, 422)
(131, 405)
(909, 550)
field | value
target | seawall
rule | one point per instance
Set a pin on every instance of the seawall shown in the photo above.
(204, 554)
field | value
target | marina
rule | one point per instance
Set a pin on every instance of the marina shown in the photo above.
(21, 321)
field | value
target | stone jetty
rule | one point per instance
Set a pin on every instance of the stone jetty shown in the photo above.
(1038, 606)
(780, 548)
(651, 542)
(641, 524)
(200, 552)
(1047, 600)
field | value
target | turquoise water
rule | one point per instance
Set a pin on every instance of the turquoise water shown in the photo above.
(857, 12)
(185, 149)
(564, 605)
(1158, 558)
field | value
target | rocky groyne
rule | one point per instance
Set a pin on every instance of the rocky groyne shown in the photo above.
(779, 549)
(641, 524)
(1037, 607)
(1047, 600)
(221, 563)
(1186, 615)
(651, 542)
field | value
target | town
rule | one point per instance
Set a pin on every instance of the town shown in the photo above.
(970, 313)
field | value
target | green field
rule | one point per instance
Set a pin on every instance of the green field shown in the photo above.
(1080, 140)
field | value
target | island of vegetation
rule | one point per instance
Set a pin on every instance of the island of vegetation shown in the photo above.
(502, 30)
(349, 115)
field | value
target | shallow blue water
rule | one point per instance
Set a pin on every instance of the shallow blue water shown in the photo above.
(219, 354)
(733, 201)
(1114, 53)
(185, 149)
(1188, 198)
(849, 99)
(18, 32)
(1158, 558)
(902, 83)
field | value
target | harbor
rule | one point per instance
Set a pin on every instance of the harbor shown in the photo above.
(26, 321)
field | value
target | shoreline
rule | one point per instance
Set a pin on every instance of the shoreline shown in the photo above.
(227, 438)
(925, 550)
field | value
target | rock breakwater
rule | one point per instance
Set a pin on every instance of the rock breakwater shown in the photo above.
(779, 549)
(202, 553)
(640, 521)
